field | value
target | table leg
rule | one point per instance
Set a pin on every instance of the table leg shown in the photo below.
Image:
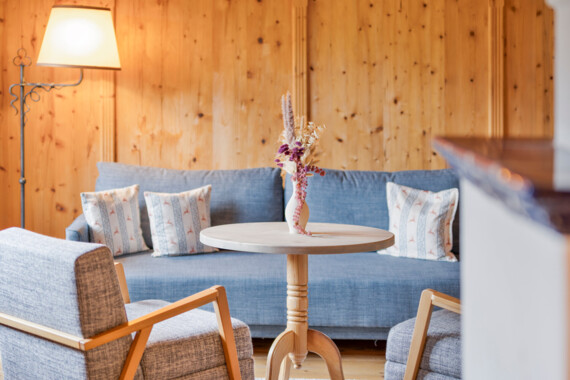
(323, 346)
(298, 305)
(278, 354)
(293, 345)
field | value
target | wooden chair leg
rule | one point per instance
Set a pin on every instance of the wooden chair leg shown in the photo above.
(419, 336)
(227, 334)
(135, 354)
(428, 299)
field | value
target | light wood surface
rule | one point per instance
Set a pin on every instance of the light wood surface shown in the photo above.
(293, 345)
(201, 82)
(496, 68)
(274, 237)
(299, 44)
(122, 282)
(528, 69)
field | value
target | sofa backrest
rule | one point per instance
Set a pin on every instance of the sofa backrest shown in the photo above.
(65, 285)
(359, 197)
(238, 196)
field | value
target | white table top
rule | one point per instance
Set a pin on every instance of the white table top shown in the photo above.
(274, 237)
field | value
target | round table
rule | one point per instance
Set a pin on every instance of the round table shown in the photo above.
(297, 340)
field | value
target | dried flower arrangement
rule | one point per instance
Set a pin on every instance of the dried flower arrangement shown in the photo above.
(296, 155)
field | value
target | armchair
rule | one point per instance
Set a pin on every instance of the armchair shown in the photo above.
(63, 315)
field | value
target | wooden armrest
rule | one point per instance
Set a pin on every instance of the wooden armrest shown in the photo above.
(48, 333)
(428, 300)
(192, 302)
(122, 282)
(443, 300)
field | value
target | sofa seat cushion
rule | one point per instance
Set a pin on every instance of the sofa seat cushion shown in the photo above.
(376, 290)
(187, 343)
(442, 353)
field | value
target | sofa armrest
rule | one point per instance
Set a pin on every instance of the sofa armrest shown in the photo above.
(78, 230)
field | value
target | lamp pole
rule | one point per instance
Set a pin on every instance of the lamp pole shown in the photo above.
(22, 59)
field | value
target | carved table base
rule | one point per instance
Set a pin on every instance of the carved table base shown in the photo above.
(292, 345)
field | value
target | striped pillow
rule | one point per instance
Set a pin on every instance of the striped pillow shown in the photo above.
(421, 222)
(176, 221)
(113, 217)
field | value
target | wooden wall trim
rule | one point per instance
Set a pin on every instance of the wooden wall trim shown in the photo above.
(300, 78)
(496, 68)
(108, 118)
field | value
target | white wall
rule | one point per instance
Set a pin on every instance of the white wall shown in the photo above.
(513, 293)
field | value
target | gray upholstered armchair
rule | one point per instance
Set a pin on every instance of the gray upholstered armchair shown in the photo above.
(63, 316)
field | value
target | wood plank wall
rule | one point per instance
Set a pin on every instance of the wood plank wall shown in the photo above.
(201, 81)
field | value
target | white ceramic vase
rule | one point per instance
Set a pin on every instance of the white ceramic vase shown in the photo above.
(290, 211)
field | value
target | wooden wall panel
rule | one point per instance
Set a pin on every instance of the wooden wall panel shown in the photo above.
(528, 69)
(388, 76)
(201, 82)
(252, 69)
(466, 77)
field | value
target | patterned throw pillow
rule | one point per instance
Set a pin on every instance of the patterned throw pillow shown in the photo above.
(114, 219)
(421, 222)
(176, 221)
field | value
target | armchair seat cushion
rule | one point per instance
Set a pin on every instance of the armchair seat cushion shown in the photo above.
(442, 353)
(187, 343)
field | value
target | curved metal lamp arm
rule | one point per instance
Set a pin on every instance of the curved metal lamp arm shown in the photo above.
(23, 60)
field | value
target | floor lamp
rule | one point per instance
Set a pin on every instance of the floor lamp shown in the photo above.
(76, 36)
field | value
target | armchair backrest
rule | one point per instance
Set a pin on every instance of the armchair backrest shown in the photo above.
(68, 286)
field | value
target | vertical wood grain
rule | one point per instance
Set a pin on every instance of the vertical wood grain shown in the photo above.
(528, 69)
(466, 73)
(299, 50)
(496, 68)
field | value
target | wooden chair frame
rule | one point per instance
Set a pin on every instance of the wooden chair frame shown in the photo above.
(428, 300)
(142, 326)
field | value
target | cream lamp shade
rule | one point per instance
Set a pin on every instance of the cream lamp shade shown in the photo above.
(78, 36)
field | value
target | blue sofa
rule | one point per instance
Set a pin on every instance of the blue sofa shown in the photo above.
(351, 296)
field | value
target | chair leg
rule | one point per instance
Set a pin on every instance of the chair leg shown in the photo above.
(419, 335)
(135, 354)
(227, 334)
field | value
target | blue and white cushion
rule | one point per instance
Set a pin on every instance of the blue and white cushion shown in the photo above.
(114, 219)
(177, 219)
(421, 222)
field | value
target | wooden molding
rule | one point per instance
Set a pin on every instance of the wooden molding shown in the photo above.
(108, 117)
(496, 68)
(300, 79)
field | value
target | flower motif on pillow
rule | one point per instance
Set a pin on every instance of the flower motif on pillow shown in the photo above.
(113, 217)
(421, 222)
(176, 221)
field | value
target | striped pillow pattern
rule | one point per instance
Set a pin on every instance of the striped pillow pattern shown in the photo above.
(421, 222)
(177, 219)
(113, 217)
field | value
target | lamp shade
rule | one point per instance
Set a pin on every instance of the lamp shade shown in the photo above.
(78, 36)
